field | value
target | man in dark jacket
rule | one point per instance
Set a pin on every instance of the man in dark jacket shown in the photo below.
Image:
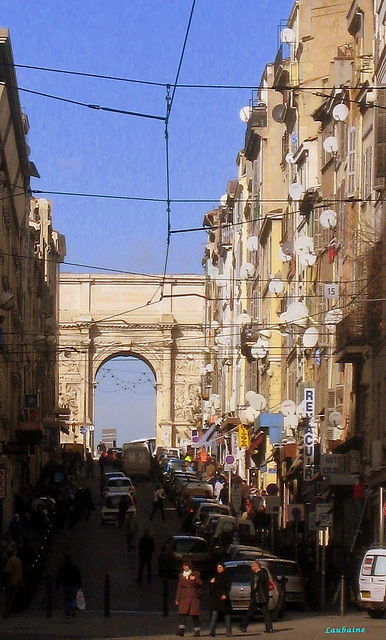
(259, 597)
(146, 549)
(70, 579)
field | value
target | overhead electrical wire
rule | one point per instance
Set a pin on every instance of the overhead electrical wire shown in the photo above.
(169, 105)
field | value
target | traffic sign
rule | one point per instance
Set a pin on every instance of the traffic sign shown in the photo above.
(230, 463)
(272, 489)
(323, 515)
(272, 505)
(295, 512)
(315, 501)
(195, 440)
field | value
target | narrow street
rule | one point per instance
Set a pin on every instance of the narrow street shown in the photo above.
(100, 551)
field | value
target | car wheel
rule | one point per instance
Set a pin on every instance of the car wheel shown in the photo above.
(376, 613)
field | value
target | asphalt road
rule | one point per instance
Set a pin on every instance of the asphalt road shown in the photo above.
(137, 610)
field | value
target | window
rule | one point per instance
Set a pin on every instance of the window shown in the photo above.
(351, 162)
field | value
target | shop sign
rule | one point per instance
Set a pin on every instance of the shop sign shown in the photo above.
(235, 443)
(331, 464)
(243, 436)
(309, 454)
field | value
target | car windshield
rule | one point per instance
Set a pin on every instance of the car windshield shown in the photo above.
(119, 482)
(190, 545)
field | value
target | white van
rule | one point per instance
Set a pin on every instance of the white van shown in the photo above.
(136, 460)
(372, 582)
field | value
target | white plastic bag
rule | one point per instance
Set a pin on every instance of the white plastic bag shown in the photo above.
(80, 601)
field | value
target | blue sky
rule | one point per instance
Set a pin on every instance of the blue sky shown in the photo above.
(86, 151)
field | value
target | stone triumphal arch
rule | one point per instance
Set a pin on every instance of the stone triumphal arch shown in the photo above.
(156, 320)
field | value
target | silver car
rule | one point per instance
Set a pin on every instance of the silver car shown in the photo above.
(240, 573)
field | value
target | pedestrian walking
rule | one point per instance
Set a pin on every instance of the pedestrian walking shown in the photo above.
(259, 598)
(13, 572)
(70, 579)
(90, 465)
(188, 597)
(146, 547)
(219, 589)
(122, 509)
(158, 502)
(132, 531)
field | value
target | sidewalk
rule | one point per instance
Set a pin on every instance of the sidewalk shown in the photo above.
(92, 625)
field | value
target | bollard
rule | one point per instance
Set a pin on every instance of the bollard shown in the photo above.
(165, 600)
(49, 597)
(107, 596)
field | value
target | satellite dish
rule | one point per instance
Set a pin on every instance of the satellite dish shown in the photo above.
(283, 318)
(297, 313)
(278, 113)
(252, 243)
(258, 352)
(288, 36)
(243, 318)
(288, 408)
(251, 414)
(307, 259)
(258, 402)
(310, 337)
(249, 395)
(209, 368)
(223, 199)
(265, 334)
(283, 256)
(330, 144)
(215, 324)
(303, 244)
(291, 421)
(245, 113)
(328, 219)
(335, 419)
(340, 112)
(222, 339)
(289, 158)
(247, 270)
(287, 247)
(276, 286)
(296, 191)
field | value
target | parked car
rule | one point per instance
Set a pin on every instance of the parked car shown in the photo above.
(119, 484)
(287, 570)
(246, 552)
(113, 455)
(197, 489)
(372, 582)
(179, 546)
(228, 529)
(110, 507)
(240, 574)
(190, 510)
(206, 508)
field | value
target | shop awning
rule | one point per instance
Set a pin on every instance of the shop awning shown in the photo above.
(229, 424)
(256, 442)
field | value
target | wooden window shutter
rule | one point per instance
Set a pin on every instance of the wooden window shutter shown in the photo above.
(380, 134)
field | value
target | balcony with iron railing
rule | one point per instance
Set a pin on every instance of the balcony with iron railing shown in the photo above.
(352, 334)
